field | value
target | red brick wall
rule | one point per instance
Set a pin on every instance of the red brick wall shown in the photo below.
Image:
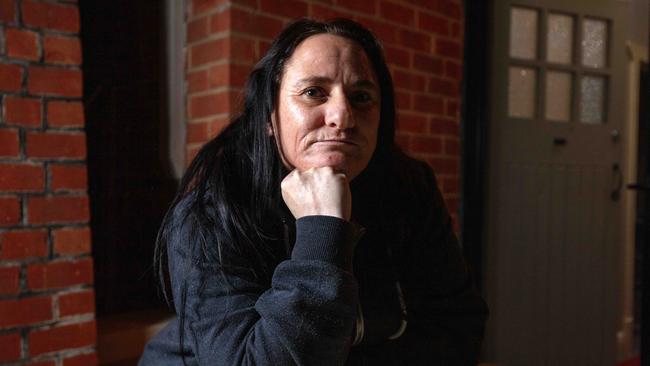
(423, 42)
(46, 272)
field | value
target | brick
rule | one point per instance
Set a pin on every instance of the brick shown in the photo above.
(218, 76)
(198, 132)
(202, 6)
(237, 74)
(9, 211)
(77, 303)
(362, 6)
(21, 177)
(403, 141)
(428, 104)
(403, 15)
(62, 209)
(9, 282)
(62, 50)
(51, 16)
(453, 70)
(286, 8)
(197, 81)
(71, 241)
(56, 145)
(68, 177)
(433, 23)
(409, 81)
(242, 49)
(22, 44)
(55, 81)
(440, 126)
(456, 30)
(11, 343)
(22, 111)
(197, 29)
(411, 123)
(25, 311)
(444, 165)
(207, 52)
(42, 276)
(255, 24)
(449, 8)
(219, 22)
(397, 56)
(217, 125)
(427, 63)
(11, 77)
(448, 48)
(386, 32)
(9, 143)
(443, 87)
(65, 114)
(452, 108)
(403, 100)
(451, 147)
(418, 41)
(246, 3)
(42, 363)
(62, 338)
(7, 15)
(23, 244)
(426, 144)
(326, 12)
(450, 185)
(206, 105)
(89, 359)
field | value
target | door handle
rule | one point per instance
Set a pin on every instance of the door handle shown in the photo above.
(560, 141)
(639, 187)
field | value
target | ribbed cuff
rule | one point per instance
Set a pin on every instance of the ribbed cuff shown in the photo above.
(325, 238)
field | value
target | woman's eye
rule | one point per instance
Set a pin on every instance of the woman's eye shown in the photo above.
(361, 98)
(314, 93)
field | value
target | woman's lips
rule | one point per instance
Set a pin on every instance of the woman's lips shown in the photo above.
(336, 142)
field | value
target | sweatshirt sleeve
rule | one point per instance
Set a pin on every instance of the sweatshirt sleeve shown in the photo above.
(305, 318)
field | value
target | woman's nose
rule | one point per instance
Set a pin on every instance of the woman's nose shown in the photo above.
(339, 114)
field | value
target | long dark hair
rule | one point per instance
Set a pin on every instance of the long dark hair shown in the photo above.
(230, 192)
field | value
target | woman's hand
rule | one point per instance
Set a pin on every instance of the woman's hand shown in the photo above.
(317, 191)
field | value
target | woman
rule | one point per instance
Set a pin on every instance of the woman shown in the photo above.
(301, 235)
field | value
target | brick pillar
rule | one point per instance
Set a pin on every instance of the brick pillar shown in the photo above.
(423, 43)
(46, 272)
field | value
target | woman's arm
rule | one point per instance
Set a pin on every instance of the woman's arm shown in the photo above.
(304, 318)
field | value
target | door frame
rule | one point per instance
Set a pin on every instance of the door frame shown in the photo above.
(474, 129)
(474, 125)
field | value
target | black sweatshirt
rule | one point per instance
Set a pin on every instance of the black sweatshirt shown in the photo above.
(402, 292)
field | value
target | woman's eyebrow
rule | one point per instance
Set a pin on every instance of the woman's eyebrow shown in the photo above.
(320, 80)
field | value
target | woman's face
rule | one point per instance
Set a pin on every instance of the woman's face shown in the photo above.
(329, 106)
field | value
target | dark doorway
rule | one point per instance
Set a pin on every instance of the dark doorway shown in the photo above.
(642, 255)
(130, 183)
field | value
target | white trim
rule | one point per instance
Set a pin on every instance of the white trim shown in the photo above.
(636, 54)
(175, 27)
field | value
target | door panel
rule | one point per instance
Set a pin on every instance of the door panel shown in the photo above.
(553, 279)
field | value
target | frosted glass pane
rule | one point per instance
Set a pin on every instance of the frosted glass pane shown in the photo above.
(558, 96)
(521, 92)
(559, 38)
(594, 42)
(592, 99)
(523, 33)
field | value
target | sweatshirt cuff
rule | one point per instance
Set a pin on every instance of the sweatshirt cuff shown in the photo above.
(325, 238)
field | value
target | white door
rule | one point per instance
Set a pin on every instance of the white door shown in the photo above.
(553, 234)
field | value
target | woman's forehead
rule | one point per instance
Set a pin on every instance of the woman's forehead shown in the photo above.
(328, 56)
